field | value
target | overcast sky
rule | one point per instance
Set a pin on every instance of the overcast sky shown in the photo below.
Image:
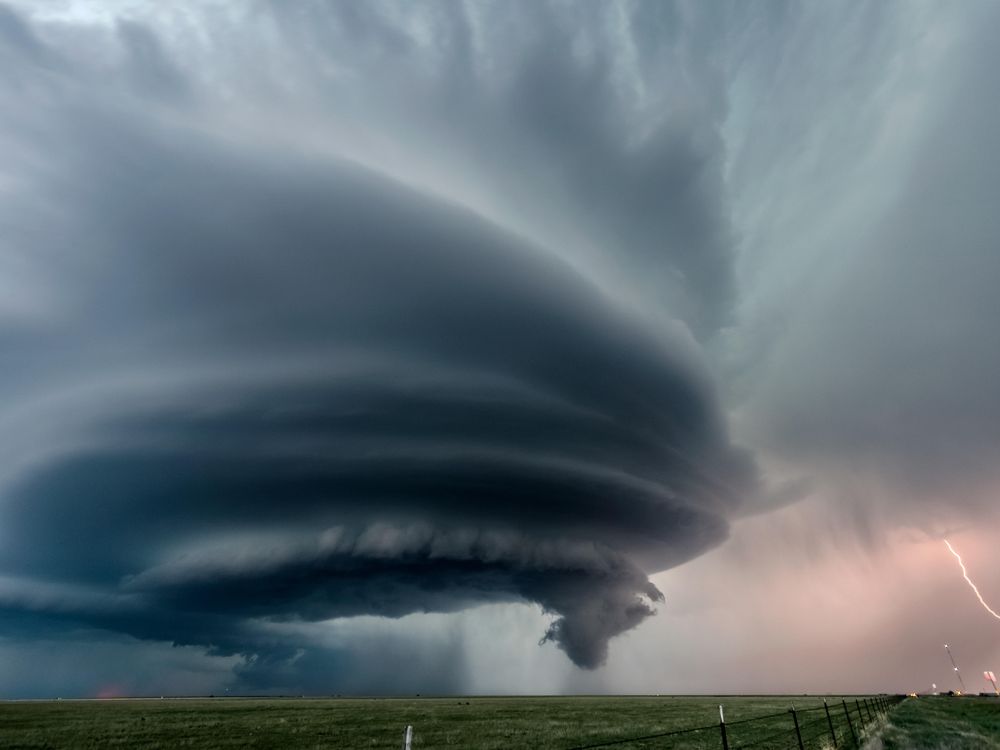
(511, 347)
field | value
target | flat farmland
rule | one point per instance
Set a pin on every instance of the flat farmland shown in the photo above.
(495, 723)
(942, 723)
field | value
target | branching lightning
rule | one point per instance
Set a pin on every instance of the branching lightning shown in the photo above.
(968, 580)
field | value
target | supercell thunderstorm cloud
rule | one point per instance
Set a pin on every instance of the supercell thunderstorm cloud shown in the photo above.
(252, 383)
(324, 313)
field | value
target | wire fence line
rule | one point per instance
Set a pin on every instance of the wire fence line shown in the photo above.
(844, 724)
(648, 737)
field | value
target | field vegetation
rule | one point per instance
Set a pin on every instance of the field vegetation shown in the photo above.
(474, 723)
(944, 723)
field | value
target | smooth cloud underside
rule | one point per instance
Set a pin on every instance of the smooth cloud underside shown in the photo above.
(251, 385)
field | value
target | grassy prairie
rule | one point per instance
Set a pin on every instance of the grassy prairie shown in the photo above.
(942, 723)
(480, 723)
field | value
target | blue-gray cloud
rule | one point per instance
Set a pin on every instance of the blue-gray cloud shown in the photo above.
(246, 383)
(355, 309)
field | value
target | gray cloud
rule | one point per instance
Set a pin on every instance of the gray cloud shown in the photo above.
(873, 369)
(249, 383)
(378, 309)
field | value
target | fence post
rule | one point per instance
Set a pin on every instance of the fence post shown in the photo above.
(722, 728)
(407, 737)
(798, 733)
(864, 702)
(850, 724)
(829, 721)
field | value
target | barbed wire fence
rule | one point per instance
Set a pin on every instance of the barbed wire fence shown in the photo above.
(840, 724)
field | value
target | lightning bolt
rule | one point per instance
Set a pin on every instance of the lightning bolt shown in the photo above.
(965, 575)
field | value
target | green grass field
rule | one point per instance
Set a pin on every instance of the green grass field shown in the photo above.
(475, 723)
(941, 723)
